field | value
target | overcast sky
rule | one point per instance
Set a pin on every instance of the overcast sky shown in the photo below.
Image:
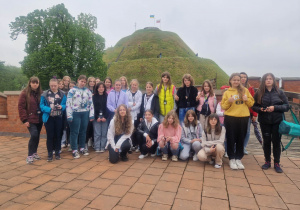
(255, 36)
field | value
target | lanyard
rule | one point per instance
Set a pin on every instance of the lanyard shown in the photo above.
(116, 101)
(187, 94)
(149, 126)
(146, 100)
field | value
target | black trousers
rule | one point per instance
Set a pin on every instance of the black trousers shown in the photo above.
(34, 130)
(135, 135)
(89, 132)
(236, 130)
(270, 134)
(114, 156)
(54, 133)
(144, 149)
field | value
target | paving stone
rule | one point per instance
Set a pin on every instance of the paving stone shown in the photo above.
(219, 183)
(263, 190)
(50, 186)
(89, 176)
(5, 196)
(242, 202)
(214, 175)
(196, 169)
(292, 198)
(237, 181)
(111, 175)
(119, 167)
(33, 173)
(134, 200)
(65, 177)
(76, 184)
(185, 204)
(141, 188)
(154, 171)
(88, 193)
(191, 184)
(159, 165)
(140, 166)
(213, 203)
(118, 207)
(151, 206)
(13, 205)
(149, 179)
(16, 180)
(104, 202)
(270, 201)
(281, 187)
(30, 197)
(240, 191)
(101, 183)
(280, 179)
(192, 175)
(167, 186)
(174, 170)
(22, 188)
(56, 171)
(134, 172)
(212, 192)
(259, 181)
(171, 177)
(48, 166)
(41, 179)
(293, 207)
(59, 195)
(162, 197)
(189, 194)
(116, 190)
(73, 203)
(126, 180)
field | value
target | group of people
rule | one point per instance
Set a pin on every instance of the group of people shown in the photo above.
(163, 121)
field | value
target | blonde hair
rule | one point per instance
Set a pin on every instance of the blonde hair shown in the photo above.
(240, 88)
(211, 90)
(135, 80)
(126, 81)
(173, 114)
(67, 77)
(126, 125)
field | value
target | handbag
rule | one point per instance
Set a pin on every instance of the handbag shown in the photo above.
(205, 108)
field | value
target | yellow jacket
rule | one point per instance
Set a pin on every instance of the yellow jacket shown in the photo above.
(238, 108)
(166, 95)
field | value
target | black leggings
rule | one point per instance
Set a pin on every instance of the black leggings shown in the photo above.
(34, 130)
(270, 134)
(114, 156)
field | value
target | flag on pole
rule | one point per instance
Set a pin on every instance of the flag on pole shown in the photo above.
(151, 16)
(158, 21)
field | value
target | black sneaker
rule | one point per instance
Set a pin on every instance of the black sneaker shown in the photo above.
(277, 168)
(124, 158)
(57, 157)
(76, 155)
(84, 152)
(50, 158)
(266, 165)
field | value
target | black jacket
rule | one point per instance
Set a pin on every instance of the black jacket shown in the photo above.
(154, 107)
(153, 133)
(271, 98)
(182, 93)
(99, 102)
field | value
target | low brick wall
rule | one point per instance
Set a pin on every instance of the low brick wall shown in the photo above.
(12, 123)
(291, 84)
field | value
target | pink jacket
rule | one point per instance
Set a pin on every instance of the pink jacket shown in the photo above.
(175, 133)
(212, 102)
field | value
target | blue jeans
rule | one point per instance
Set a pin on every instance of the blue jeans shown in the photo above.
(100, 134)
(78, 129)
(248, 134)
(167, 150)
(182, 112)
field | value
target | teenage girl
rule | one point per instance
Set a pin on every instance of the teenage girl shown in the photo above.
(97, 80)
(270, 104)
(118, 136)
(213, 142)
(166, 93)
(207, 102)
(124, 83)
(149, 101)
(30, 115)
(236, 102)
(186, 96)
(80, 110)
(108, 85)
(191, 136)
(169, 134)
(91, 82)
(66, 82)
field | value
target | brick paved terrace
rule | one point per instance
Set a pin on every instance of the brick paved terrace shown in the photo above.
(91, 182)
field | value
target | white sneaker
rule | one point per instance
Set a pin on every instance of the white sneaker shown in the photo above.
(217, 166)
(174, 158)
(226, 155)
(102, 150)
(239, 164)
(137, 150)
(232, 164)
(97, 150)
(90, 142)
(164, 157)
(143, 156)
(195, 158)
(211, 162)
(153, 155)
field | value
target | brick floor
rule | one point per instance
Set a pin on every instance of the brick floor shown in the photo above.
(92, 182)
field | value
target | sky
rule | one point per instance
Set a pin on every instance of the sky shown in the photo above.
(253, 36)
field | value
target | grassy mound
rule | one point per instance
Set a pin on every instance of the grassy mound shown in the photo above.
(137, 57)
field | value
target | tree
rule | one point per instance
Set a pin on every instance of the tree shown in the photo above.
(58, 44)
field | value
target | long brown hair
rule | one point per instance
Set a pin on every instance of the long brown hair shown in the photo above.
(28, 90)
(240, 88)
(188, 77)
(211, 90)
(173, 114)
(186, 118)
(126, 125)
(262, 87)
(247, 85)
(218, 127)
(161, 81)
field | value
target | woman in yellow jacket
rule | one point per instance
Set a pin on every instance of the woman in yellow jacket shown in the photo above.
(166, 93)
(236, 102)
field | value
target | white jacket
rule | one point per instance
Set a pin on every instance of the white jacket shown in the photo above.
(134, 110)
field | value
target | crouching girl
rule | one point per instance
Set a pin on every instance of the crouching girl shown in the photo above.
(169, 134)
(148, 131)
(213, 142)
(118, 136)
(190, 137)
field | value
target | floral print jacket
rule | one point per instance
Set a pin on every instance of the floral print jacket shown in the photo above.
(79, 100)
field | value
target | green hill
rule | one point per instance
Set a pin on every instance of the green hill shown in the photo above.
(136, 56)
